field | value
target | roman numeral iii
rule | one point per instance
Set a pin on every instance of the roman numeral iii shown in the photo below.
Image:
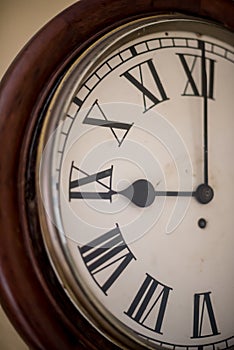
(108, 253)
(154, 93)
(151, 298)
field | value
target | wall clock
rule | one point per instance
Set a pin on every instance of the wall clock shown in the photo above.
(116, 178)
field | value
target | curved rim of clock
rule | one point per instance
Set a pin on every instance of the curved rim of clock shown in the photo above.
(24, 284)
(78, 73)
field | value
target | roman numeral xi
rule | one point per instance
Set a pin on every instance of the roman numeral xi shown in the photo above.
(145, 78)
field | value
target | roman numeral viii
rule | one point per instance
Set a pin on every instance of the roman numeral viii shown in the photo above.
(106, 258)
(145, 78)
(149, 305)
(76, 182)
(204, 323)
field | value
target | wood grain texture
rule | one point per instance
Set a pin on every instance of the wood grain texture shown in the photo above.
(29, 290)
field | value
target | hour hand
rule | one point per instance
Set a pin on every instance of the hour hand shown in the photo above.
(143, 194)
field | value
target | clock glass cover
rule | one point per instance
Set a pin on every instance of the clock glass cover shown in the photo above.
(135, 179)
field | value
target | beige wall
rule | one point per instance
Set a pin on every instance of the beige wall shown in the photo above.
(19, 20)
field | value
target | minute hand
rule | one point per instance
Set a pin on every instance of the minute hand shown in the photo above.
(205, 110)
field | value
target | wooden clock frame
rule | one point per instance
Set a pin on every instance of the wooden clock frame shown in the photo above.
(29, 289)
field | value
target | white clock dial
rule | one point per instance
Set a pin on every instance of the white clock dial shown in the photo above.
(139, 184)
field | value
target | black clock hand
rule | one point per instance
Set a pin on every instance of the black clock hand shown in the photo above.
(142, 193)
(205, 110)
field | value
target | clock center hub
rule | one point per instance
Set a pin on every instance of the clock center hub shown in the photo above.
(204, 194)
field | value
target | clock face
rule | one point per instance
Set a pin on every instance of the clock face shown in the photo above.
(136, 179)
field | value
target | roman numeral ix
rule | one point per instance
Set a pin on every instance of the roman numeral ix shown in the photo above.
(154, 93)
(75, 183)
(108, 253)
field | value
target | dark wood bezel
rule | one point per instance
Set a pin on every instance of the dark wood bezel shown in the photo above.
(29, 290)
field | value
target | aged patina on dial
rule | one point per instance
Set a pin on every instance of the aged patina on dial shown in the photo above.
(135, 175)
(116, 178)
